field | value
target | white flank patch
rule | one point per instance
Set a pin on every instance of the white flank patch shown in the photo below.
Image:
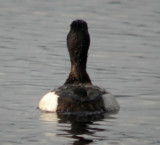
(110, 102)
(49, 102)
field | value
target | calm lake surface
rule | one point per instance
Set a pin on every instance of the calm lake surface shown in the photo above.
(124, 58)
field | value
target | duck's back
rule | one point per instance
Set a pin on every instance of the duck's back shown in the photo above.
(77, 99)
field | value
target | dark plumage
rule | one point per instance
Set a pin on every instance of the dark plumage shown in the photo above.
(78, 42)
(78, 95)
(80, 98)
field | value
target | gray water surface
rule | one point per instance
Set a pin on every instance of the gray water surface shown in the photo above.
(124, 58)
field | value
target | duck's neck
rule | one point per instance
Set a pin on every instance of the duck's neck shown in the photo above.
(78, 41)
(78, 74)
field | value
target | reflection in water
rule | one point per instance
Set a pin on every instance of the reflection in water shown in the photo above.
(79, 128)
(82, 129)
(49, 117)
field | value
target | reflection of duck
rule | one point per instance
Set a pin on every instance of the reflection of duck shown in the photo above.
(81, 130)
(78, 129)
(78, 95)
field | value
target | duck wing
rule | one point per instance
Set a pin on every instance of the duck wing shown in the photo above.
(110, 103)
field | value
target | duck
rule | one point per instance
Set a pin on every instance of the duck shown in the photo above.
(78, 95)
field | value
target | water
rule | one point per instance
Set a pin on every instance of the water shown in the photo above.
(123, 58)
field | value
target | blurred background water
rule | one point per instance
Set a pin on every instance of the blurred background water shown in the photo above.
(124, 58)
